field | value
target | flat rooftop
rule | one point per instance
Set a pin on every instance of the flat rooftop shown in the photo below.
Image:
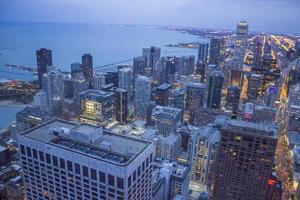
(164, 86)
(166, 110)
(176, 168)
(102, 145)
(97, 93)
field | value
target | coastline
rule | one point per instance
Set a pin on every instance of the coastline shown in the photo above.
(12, 103)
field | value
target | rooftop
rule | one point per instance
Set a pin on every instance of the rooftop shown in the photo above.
(166, 110)
(164, 86)
(177, 169)
(97, 93)
(89, 140)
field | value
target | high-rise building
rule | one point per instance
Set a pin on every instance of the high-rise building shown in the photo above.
(177, 98)
(162, 94)
(245, 160)
(87, 66)
(68, 88)
(214, 51)
(44, 60)
(297, 48)
(254, 86)
(215, 90)
(121, 105)
(237, 78)
(233, 98)
(200, 70)
(142, 96)
(203, 52)
(167, 119)
(257, 54)
(274, 189)
(152, 55)
(242, 28)
(294, 108)
(125, 81)
(97, 107)
(75, 68)
(53, 84)
(139, 66)
(66, 160)
(99, 81)
(196, 95)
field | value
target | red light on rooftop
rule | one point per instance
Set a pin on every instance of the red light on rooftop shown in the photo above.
(271, 182)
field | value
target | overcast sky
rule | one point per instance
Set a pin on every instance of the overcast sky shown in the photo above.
(262, 15)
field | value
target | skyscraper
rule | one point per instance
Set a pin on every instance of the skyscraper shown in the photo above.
(152, 55)
(242, 28)
(139, 66)
(245, 160)
(125, 81)
(233, 98)
(214, 51)
(53, 84)
(66, 160)
(75, 68)
(142, 96)
(215, 90)
(177, 98)
(97, 107)
(44, 60)
(87, 66)
(254, 86)
(162, 94)
(203, 52)
(121, 105)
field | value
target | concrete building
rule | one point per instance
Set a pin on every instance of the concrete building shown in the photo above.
(142, 96)
(245, 160)
(80, 161)
(175, 176)
(98, 107)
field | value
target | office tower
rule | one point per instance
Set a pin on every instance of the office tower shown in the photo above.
(125, 81)
(191, 65)
(99, 81)
(159, 71)
(245, 160)
(214, 51)
(254, 86)
(152, 55)
(297, 48)
(200, 70)
(97, 107)
(162, 94)
(44, 60)
(53, 84)
(80, 161)
(41, 100)
(87, 66)
(186, 65)
(203, 52)
(215, 90)
(242, 28)
(75, 68)
(68, 88)
(257, 54)
(203, 154)
(196, 95)
(170, 178)
(294, 108)
(79, 85)
(170, 67)
(177, 98)
(237, 78)
(142, 96)
(139, 66)
(121, 105)
(210, 70)
(233, 98)
(166, 119)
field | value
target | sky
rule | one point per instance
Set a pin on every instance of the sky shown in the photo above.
(281, 16)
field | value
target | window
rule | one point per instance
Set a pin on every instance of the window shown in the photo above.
(134, 176)
(41, 154)
(34, 153)
(77, 168)
(120, 183)
(28, 151)
(48, 158)
(22, 149)
(93, 174)
(129, 181)
(69, 165)
(102, 177)
(55, 161)
(62, 163)
(111, 180)
(85, 171)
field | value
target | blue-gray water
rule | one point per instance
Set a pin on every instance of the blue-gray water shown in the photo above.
(107, 44)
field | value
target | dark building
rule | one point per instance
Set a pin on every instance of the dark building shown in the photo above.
(4, 156)
(112, 78)
(44, 60)
(257, 54)
(121, 105)
(254, 86)
(245, 160)
(215, 90)
(177, 98)
(200, 70)
(214, 51)
(170, 70)
(68, 88)
(162, 94)
(87, 66)
(139, 66)
(233, 98)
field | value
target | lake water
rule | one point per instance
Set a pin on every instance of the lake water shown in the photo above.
(107, 44)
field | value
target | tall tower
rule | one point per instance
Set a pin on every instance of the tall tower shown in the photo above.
(245, 160)
(125, 81)
(203, 52)
(233, 98)
(87, 66)
(214, 51)
(142, 96)
(216, 80)
(44, 60)
(152, 55)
